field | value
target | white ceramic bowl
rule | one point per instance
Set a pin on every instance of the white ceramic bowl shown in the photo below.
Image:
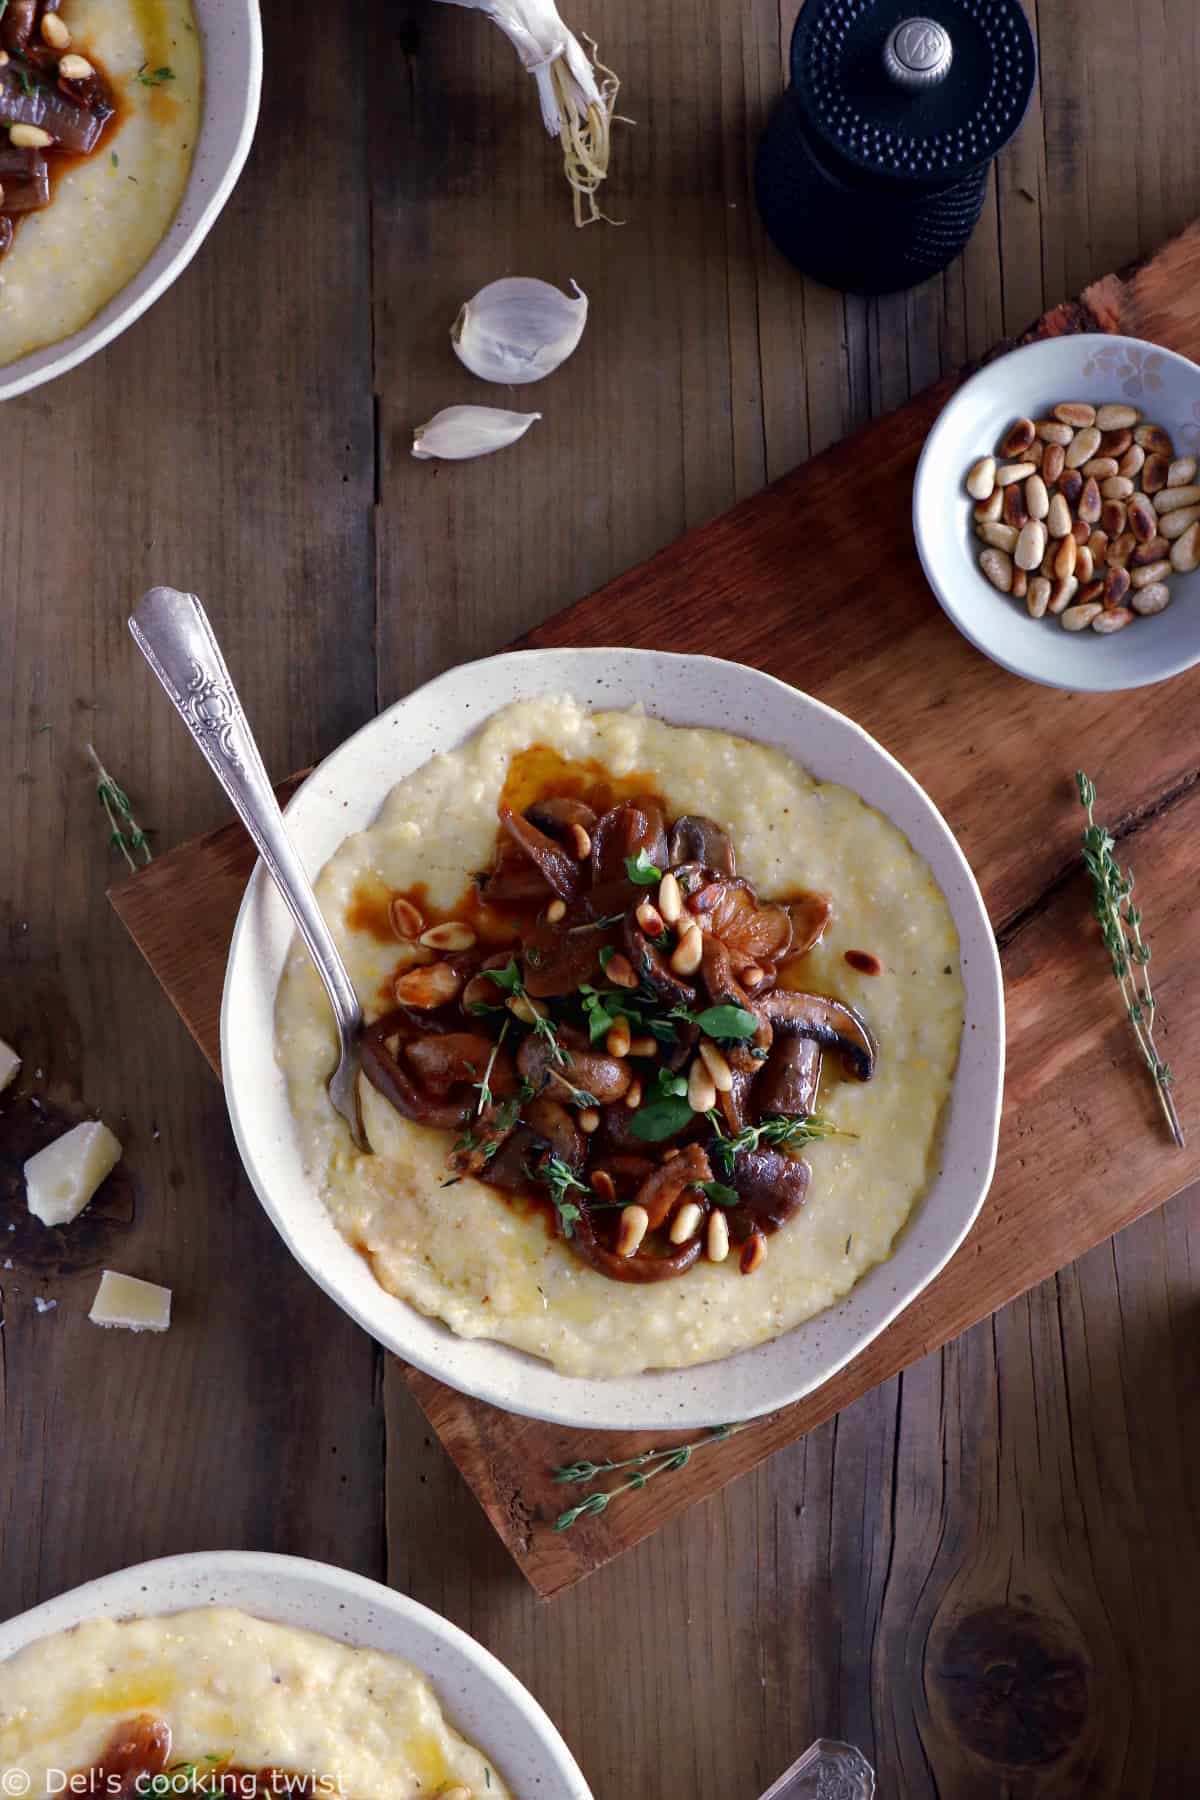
(1027, 383)
(232, 35)
(344, 795)
(478, 1695)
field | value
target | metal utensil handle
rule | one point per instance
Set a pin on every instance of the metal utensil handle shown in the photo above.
(172, 631)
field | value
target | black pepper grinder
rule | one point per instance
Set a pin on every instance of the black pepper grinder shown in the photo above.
(873, 168)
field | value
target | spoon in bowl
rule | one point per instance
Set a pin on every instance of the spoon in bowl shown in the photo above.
(173, 633)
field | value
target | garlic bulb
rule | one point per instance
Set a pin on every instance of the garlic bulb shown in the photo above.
(459, 432)
(577, 108)
(518, 329)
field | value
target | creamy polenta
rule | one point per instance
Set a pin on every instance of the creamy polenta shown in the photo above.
(236, 1694)
(108, 211)
(488, 1268)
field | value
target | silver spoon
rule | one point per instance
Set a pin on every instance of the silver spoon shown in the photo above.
(173, 633)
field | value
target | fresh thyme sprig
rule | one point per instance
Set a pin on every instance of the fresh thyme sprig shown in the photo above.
(646, 1466)
(785, 1133)
(486, 1097)
(1121, 929)
(561, 1181)
(125, 834)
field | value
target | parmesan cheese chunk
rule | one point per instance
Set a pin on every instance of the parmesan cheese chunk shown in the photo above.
(135, 1305)
(61, 1179)
(10, 1062)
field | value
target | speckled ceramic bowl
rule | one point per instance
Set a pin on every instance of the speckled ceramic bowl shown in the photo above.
(232, 35)
(478, 1695)
(344, 795)
(1027, 383)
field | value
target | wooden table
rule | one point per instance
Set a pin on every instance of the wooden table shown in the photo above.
(1018, 1505)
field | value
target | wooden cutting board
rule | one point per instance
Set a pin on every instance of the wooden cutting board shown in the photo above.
(817, 581)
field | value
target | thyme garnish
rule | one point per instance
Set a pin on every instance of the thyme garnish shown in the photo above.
(125, 834)
(1121, 929)
(784, 1133)
(646, 1466)
(579, 1096)
(485, 1092)
(562, 1180)
(155, 77)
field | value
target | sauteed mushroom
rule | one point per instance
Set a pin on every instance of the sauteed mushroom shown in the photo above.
(829, 1023)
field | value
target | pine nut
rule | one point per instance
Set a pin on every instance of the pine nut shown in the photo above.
(1081, 531)
(581, 843)
(1062, 594)
(686, 1222)
(1155, 471)
(1154, 440)
(635, 1222)
(1017, 438)
(1066, 558)
(433, 985)
(1058, 519)
(1084, 569)
(588, 1120)
(1143, 520)
(1182, 472)
(1116, 443)
(997, 566)
(1075, 412)
(1055, 431)
(453, 935)
(981, 478)
(404, 918)
(1133, 461)
(701, 1088)
(1094, 591)
(1037, 596)
(1000, 537)
(1154, 599)
(650, 919)
(1117, 487)
(1031, 545)
(1052, 549)
(754, 1255)
(1100, 467)
(689, 952)
(1015, 512)
(1078, 618)
(528, 1010)
(55, 32)
(643, 1046)
(717, 1066)
(983, 511)
(1121, 548)
(1083, 447)
(716, 1238)
(30, 137)
(1117, 417)
(1053, 463)
(750, 976)
(633, 1094)
(1070, 486)
(1153, 551)
(604, 1185)
(620, 971)
(1112, 518)
(1116, 586)
(1169, 500)
(75, 68)
(1098, 545)
(670, 896)
(1037, 500)
(1020, 586)
(556, 910)
(1150, 573)
(618, 1040)
(1185, 551)
(1114, 618)
(1090, 502)
(1173, 525)
(1014, 472)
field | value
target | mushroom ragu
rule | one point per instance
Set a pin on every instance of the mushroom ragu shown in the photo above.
(632, 1055)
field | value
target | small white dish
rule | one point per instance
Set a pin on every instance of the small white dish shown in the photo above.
(232, 36)
(479, 1696)
(344, 794)
(1093, 366)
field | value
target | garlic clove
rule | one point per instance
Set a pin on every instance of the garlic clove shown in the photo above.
(518, 329)
(459, 432)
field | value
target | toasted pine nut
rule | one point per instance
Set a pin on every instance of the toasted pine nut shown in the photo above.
(716, 1238)
(618, 1039)
(1117, 487)
(1182, 472)
(633, 1094)
(1149, 573)
(75, 68)
(1058, 519)
(1078, 618)
(1062, 594)
(987, 511)
(718, 1068)
(635, 1222)
(588, 1120)
(997, 566)
(1014, 472)
(650, 919)
(686, 1222)
(581, 843)
(981, 478)
(1018, 438)
(1151, 599)
(1083, 447)
(1031, 545)
(1084, 568)
(1113, 618)
(1113, 515)
(999, 535)
(620, 971)
(1116, 585)
(1154, 441)
(604, 1185)
(30, 137)
(1053, 463)
(522, 1007)
(1174, 524)
(1117, 417)
(1053, 431)
(643, 1046)
(1185, 551)
(1169, 499)
(750, 976)
(689, 952)
(1155, 471)
(404, 918)
(670, 898)
(1132, 461)
(1037, 499)
(1151, 552)
(701, 1088)
(4, 59)
(435, 984)
(755, 1253)
(1037, 596)
(1090, 502)
(556, 910)
(452, 935)
(55, 32)
(1101, 467)
(1075, 412)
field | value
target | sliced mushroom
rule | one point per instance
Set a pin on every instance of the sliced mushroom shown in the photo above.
(650, 965)
(810, 915)
(624, 830)
(829, 1023)
(724, 989)
(695, 839)
(550, 1120)
(561, 871)
(733, 1104)
(648, 1265)
(604, 1077)
(556, 814)
(755, 931)
(393, 1081)
(790, 1076)
(559, 959)
(771, 1187)
(445, 1060)
(659, 1192)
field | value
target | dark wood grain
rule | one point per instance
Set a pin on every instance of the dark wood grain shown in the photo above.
(1042, 1464)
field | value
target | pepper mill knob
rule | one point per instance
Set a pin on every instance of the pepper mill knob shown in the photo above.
(918, 53)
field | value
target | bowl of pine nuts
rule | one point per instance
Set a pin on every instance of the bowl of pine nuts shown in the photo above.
(1056, 510)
